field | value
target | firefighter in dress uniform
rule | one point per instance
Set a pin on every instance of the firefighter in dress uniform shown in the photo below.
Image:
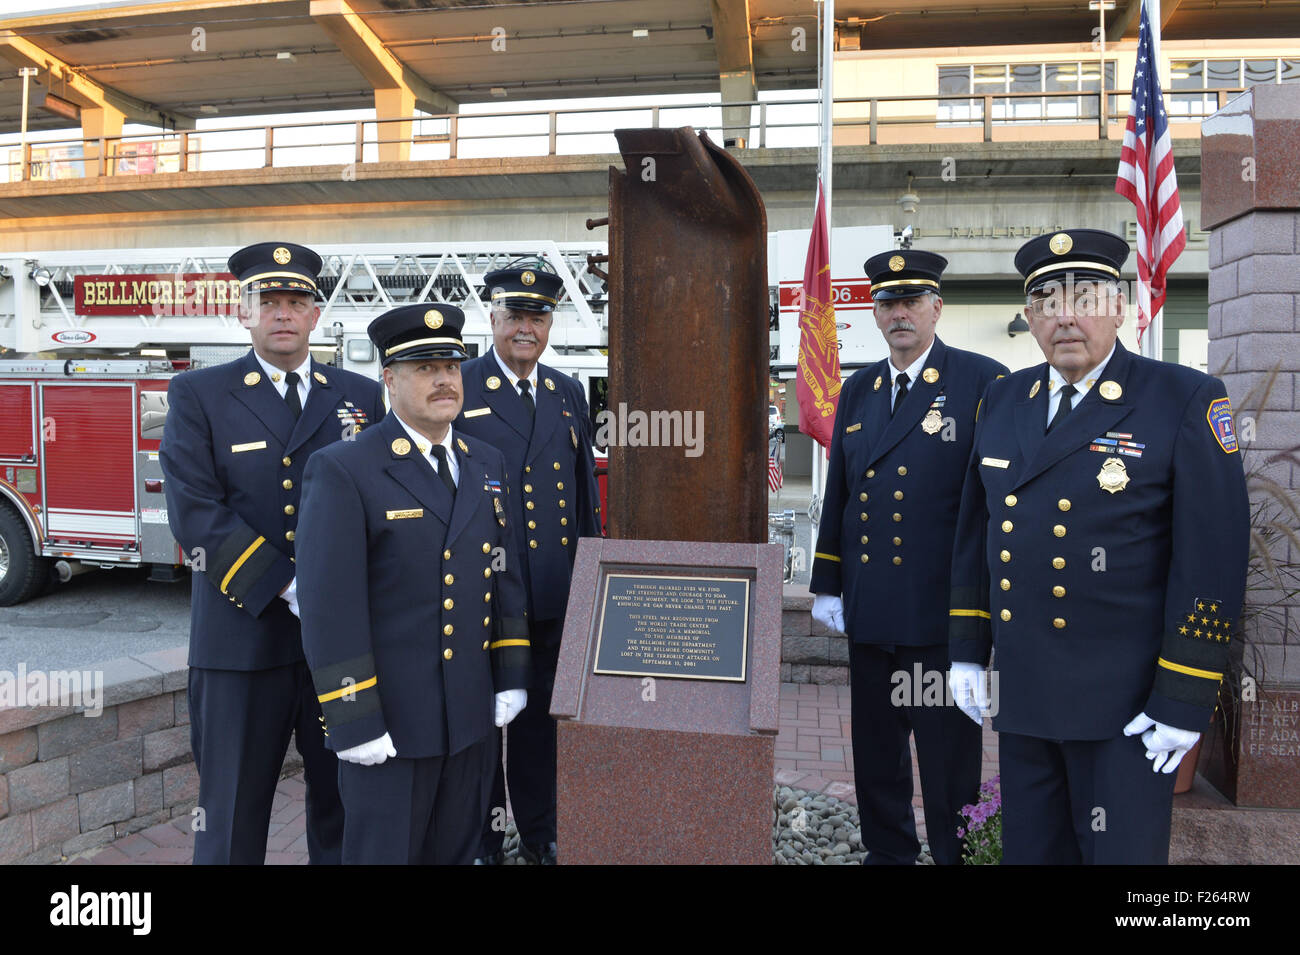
(1101, 557)
(901, 439)
(538, 417)
(238, 437)
(413, 607)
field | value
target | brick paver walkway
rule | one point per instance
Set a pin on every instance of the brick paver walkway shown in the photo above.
(813, 752)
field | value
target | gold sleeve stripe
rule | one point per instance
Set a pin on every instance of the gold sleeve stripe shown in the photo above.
(345, 690)
(970, 613)
(234, 568)
(509, 643)
(825, 556)
(1190, 671)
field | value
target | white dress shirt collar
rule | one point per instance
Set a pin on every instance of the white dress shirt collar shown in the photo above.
(426, 449)
(913, 371)
(513, 378)
(277, 376)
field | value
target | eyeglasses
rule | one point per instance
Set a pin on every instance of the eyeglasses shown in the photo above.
(1086, 300)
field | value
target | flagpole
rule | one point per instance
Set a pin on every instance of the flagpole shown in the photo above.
(826, 118)
(1153, 340)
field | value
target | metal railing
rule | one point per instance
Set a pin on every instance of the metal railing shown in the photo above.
(536, 133)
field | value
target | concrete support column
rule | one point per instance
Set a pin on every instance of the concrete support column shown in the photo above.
(394, 137)
(736, 120)
(100, 122)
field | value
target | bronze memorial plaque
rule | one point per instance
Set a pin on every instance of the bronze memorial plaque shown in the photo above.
(693, 628)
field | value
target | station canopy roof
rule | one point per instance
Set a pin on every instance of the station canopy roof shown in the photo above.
(169, 63)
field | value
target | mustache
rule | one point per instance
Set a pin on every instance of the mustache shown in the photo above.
(901, 325)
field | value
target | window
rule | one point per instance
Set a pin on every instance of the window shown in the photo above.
(1192, 82)
(1023, 78)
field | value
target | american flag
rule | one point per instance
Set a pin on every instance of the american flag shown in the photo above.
(774, 477)
(1146, 178)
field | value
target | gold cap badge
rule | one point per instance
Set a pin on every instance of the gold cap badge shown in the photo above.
(1061, 243)
(550, 385)
(401, 446)
(528, 278)
(1110, 390)
(1113, 476)
(493, 383)
(1034, 390)
(464, 448)
(931, 375)
(319, 377)
(896, 263)
(252, 378)
(281, 255)
(879, 381)
(433, 318)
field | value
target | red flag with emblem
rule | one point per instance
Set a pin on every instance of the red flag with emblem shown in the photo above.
(817, 384)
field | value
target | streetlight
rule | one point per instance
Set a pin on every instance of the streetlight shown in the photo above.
(26, 72)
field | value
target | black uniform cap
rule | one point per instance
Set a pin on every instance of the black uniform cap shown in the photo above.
(425, 330)
(904, 274)
(276, 266)
(1083, 253)
(528, 283)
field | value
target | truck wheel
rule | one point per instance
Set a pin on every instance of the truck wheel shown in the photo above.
(22, 574)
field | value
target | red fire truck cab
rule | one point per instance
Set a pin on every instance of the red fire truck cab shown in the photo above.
(80, 482)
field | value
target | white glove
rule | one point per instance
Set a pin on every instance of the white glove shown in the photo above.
(510, 703)
(970, 689)
(290, 596)
(1166, 745)
(828, 610)
(370, 754)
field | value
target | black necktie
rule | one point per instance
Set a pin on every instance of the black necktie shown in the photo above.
(291, 394)
(444, 468)
(1062, 409)
(902, 380)
(526, 393)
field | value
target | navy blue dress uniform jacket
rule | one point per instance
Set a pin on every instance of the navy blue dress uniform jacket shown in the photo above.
(892, 492)
(233, 459)
(551, 466)
(1103, 563)
(410, 624)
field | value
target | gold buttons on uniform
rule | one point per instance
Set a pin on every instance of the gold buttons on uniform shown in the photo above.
(288, 508)
(863, 497)
(898, 560)
(561, 502)
(487, 572)
(486, 622)
(527, 469)
(528, 489)
(447, 632)
(898, 541)
(287, 484)
(448, 604)
(864, 538)
(871, 472)
(898, 495)
(528, 504)
(897, 516)
(1058, 563)
(449, 580)
(288, 535)
(1006, 614)
(487, 548)
(556, 465)
(446, 555)
(1058, 591)
(865, 558)
(1006, 556)
(564, 522)
(487, 597)
(1010, 500)
(1059, 530)
(1059, 623)
(1063, 504)
(559, 485)
(447, 654)
(1004, 584)
(564, 541)
(902, 472)
(485, 643)
(532, 525)
(1007, 527)
(863, 515)
(533, 545)
(286, 461)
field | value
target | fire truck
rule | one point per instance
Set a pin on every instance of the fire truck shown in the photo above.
(89, 341)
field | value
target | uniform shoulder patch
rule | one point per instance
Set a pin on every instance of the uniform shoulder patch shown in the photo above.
(1219, 415)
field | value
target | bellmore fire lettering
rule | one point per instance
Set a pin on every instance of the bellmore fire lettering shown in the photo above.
(74, 907)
